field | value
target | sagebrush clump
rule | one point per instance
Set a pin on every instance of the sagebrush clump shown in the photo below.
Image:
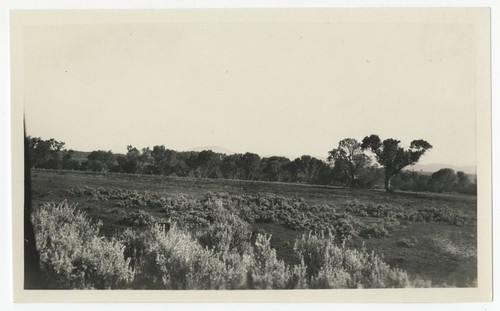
(223, 254)
(73, 254)
(331, 266)
(138, 218)
(389, 211)
(226, 232)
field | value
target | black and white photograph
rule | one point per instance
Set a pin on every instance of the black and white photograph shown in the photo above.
(244, 151)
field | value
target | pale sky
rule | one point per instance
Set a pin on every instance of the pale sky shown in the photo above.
(270, 88)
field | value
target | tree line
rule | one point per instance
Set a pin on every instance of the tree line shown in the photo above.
(365, 164)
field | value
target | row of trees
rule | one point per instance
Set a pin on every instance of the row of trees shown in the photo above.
(162, 161)
(354, 164)
(249, 166)
(444, 180)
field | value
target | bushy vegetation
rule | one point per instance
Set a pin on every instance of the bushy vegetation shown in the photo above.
(389, 211)
(223, 254)
(379, 229)
(227, 232)
(191, 213)
(330, 266)
(138, 218)
(73, 254)
(223, 217)
(408, 242)
(172, 260)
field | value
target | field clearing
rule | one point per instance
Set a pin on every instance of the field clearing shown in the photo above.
(440, 251)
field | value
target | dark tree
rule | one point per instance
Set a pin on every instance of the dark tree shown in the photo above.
(69, 162)
(465, 185)
(209, 164)
(162, 159)
(463, 179)
(100, 160)
(128, 163)
(411, 181)
(273, 168)
(444, 180)
(45, 153)
(190, 158)
(250, 163)
(145, 162)
(348, 158)
(370, 176)
(231, 168)
(165, 161)
(394, 157)
(307, 169)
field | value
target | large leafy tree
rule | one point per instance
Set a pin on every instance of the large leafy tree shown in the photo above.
(462, 179)
(166, 161)
(250, 163)
(392, 156)
(273, 168)
(348, 158)
(128, 163)
(135, 161)
(444, 180)
(307, 169)
(44, 153)
(231, 168)
(101, 160)
(209, 164)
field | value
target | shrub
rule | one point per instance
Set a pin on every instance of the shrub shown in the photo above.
(227, 232)
(191, 213)
(145, 255)
(408, 242)
(134, 246)
(72, 253)
(329, 266)
(380, 229)
(138, 218)
(344, 230)
(374, 231)
(174, 260)
(267, 271)
(442, 214)
(388, 211)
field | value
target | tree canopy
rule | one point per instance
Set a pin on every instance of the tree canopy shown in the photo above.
(348, 159)
(392, 156)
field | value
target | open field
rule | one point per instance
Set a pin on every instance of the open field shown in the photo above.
(430, 236)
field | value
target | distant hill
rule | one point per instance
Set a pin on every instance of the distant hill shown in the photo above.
(215, 149)
(434, 167)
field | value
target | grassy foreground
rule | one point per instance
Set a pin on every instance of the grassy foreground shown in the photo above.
(423, 236)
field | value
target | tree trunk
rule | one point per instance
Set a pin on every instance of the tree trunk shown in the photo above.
(388, 183)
